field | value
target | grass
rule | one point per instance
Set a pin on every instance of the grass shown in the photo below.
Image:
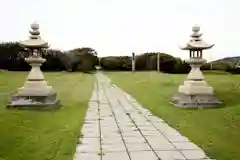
(34, 135)
(217, 131)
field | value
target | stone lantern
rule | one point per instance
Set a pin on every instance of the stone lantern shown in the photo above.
(36, 93)
(195, 92)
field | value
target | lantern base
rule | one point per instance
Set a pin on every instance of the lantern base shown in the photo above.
(195, 87)
(184, 100)
(35, 102)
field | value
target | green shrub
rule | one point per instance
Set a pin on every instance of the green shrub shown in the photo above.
(12, 57)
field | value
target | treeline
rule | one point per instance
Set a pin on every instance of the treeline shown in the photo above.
(80, 59)
(85, 59)
(168, 63)
(146, 61)
(229, 64)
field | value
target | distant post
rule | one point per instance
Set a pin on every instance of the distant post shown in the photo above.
(211, 66)
(99, 64)
(133, 62)
(158, 62)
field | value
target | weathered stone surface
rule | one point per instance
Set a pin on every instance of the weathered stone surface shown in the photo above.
(147, 128)
(132, 134)
(140, 140)
(111, 140)
(35, 102)
(87, 156)
(143, 155)
(160, 143)
(154, 119)
(88, 148)
(149, 133)
(177, 138)
(90, 134)
(195, 101)
(170, 155)
(110, 134)
(166, 130)
(185, 146)
(138, 147)
(194, 154)
(90, 141)
(115, 156)
(128, 128)
(113, 147)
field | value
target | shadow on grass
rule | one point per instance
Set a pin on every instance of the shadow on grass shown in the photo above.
(215, 72)
(89, 72)
(85, 72)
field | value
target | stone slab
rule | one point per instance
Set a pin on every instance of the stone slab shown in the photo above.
(166, 130)
(115, 156)
(159, 143)
(177, 138)
(88, 148)
(131, 134)
(145, 155)
(150, 133)
(185, 146)
(147, 128)
(114, 147)
(92, 141)
(194, 154)
(170, 155)
(110, 134)
(133, 147)
(111, 140)
(140, 140)
(31, 99)
(52, 106)
(87, 156)
(195, 101)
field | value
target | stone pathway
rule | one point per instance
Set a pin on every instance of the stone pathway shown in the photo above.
(117, 127)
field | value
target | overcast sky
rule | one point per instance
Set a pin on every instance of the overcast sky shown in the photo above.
(120, 27)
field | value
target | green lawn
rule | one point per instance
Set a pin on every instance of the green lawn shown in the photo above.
(34, 135)
(217, 131)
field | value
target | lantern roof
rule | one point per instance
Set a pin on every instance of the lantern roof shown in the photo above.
(196, 42)
(35, 40)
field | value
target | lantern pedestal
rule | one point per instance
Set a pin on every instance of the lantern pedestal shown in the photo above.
(195, 93)
(35, 94)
